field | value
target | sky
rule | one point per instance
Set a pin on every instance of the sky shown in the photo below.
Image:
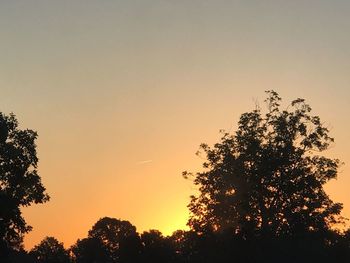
(122, 93)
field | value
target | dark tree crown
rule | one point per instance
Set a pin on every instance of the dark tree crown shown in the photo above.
(20, 184)
(267, 178)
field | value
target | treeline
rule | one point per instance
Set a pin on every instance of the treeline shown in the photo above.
(112, 240)
(260, 198)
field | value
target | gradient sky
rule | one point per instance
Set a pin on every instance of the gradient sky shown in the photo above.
(123, 92)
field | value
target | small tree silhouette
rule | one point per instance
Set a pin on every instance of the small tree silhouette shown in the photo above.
(50, 250)
(119, 238)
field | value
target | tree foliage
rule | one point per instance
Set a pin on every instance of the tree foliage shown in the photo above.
(50, 250)
(20, 184)
(156, 247)
(267, 178)
(89, 250)
(117, 240)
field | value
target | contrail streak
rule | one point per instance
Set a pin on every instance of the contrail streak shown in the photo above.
(144, 162)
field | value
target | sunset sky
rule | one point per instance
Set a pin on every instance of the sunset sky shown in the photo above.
(123, 92)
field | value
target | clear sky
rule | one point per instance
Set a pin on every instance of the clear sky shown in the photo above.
(123, 92)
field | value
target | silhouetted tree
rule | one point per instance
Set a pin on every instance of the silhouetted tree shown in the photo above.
(119, 238)
(20, 184)
(186, 245)
(156, 247)
(89, 250)
(266, 180)
(50, 250)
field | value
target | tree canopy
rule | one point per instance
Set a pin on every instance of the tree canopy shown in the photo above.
(20, 184)
(267, 178)
(117, 238)
(50, 250)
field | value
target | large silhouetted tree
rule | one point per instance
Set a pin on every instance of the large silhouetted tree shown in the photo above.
(267, 178)
(20, 184)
